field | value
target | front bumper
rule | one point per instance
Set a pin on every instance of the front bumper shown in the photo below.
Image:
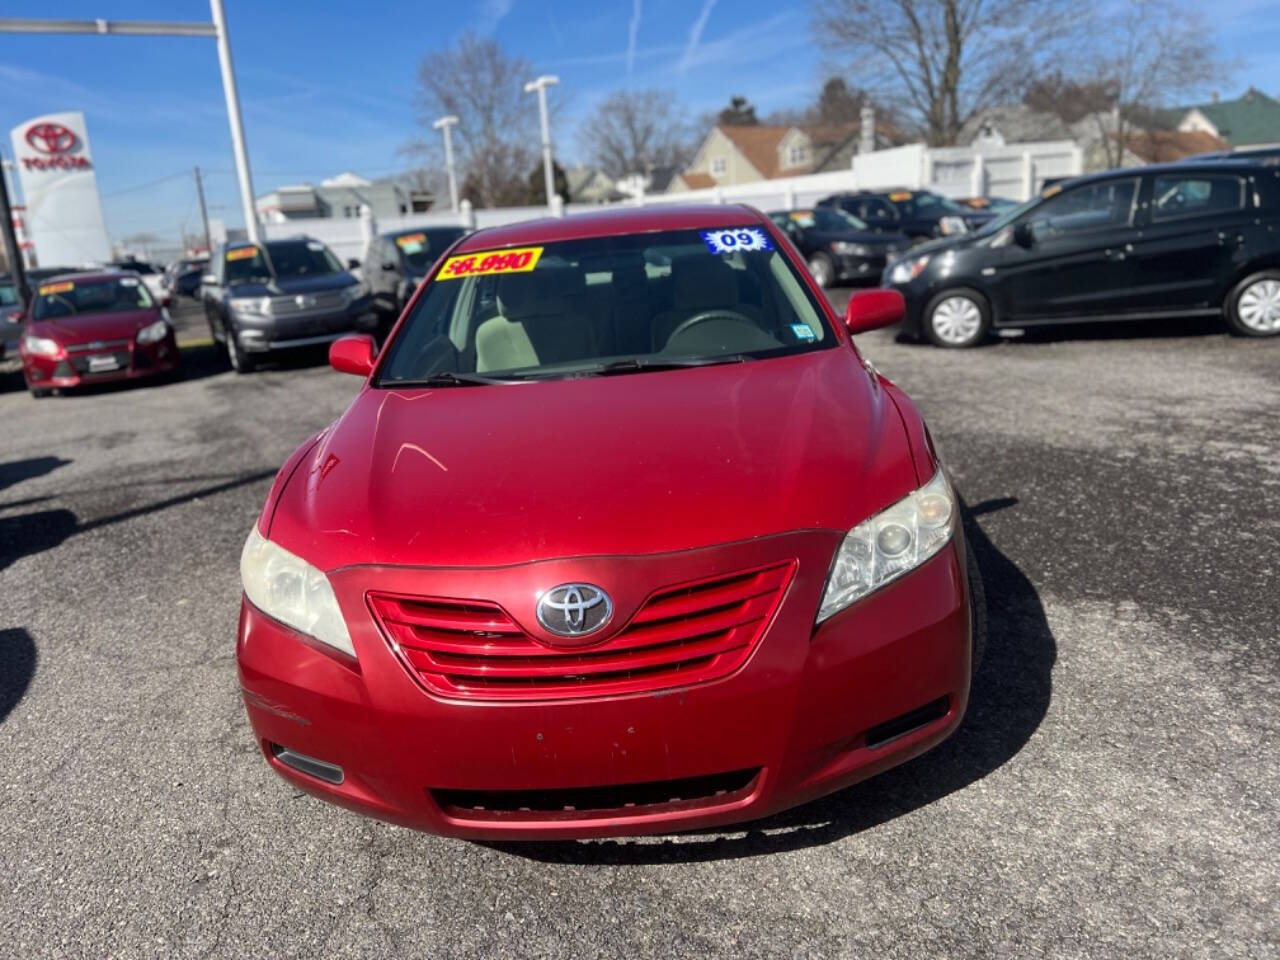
(260, 334)
(915, 294)
(75, 366)
(811, 711)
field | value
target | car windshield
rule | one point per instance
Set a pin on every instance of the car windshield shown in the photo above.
(137, 266)
(928, 205)
(421, 248)
(66, 298)
(284, 260)
(605, 305)
(828, 219)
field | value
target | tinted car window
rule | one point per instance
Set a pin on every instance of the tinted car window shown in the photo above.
(8, 295)
(288, 259)
(420, 249)
(1093, 206)
(1180, 195)
(877, 211)
(572, 306)
(65, 298)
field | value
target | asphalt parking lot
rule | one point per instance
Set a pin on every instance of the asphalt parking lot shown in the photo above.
(1112, 793)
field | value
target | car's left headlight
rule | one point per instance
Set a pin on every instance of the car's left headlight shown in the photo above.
(950, 226)
(894, 541)
(847, 249)
(907, 269)
(357, 291)
(292, 591)
(153, 332)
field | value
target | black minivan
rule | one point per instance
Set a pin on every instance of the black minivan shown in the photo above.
(1176, 240)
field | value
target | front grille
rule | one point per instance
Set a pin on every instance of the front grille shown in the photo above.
(81, 362)
(627, 799)
(684, 634)
(307, 303)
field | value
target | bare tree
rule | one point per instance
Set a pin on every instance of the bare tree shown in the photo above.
(943, 61)
(1154, 51)
(637, 132)
(496, 139)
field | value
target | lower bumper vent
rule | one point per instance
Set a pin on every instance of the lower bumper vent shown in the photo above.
(905, 723)
(328, 772)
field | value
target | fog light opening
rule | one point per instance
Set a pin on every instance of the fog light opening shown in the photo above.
(908, 722)
(328, 772)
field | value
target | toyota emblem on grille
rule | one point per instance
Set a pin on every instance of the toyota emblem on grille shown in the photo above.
(574, 609)
(304, 300)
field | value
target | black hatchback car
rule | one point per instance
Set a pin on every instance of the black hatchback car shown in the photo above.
(1178, 240)
(395, 263)
(838, 246)
(919, 214)
(278, 295)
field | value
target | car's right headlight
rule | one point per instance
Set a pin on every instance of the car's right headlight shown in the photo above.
(907, 269)
(894, 541)
(259, 306)
(292, 591)
(40, 346)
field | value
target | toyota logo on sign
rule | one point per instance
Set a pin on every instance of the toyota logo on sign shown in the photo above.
(52, 138)
(574, 609)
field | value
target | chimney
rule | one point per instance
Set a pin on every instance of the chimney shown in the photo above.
(867, 135)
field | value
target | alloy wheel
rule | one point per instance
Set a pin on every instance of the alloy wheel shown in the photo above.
(1259, 306)
(820, 267)
(956, 320)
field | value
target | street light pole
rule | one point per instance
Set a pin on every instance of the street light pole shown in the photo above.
(443, 125)
(237, 127)
(540, 86)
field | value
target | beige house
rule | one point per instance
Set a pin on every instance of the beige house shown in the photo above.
(731, 155)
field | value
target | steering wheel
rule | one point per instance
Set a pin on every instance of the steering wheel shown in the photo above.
(717, 314)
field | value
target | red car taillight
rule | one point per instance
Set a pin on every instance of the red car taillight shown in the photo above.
(683, 634)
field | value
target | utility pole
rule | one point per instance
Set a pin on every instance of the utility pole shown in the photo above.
(443, 125)
(204, 214)
(11, 244)
(540, 87)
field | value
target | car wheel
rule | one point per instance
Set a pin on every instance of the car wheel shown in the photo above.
(241, 362)
(40, 394)
(977, 606)
(823, 270)
(957, 318)
(1253, 307)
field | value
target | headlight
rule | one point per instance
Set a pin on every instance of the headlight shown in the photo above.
(356, 291)
(904, 271)
(41, 346)
(952, 225)
(889, 544)
(256, 305)
(153, 332)
(292, 591)
(851, 249)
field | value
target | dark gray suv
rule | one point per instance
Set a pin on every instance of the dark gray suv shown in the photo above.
(395, 263)
(279, 295)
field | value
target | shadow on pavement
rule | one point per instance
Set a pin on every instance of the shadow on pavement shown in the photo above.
(1009, 699)
(16, 471)
(17, 667)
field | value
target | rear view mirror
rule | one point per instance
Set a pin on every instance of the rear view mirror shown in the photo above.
(1023, 235)
(353, 354)
(873, 309)
(353, 264)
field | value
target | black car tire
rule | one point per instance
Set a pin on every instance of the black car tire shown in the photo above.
(948, 322)
(977, 606)
(240, 361)
(39, 394)
(823, 270)
(1253, 304)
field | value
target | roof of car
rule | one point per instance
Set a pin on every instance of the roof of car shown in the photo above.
(425, 229)
(1181, 166)
(100, 274)
(615, 222)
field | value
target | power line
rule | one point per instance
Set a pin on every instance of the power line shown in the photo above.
(144, 186)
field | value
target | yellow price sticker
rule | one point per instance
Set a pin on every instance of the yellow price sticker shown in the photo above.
(900, 196)
(409, 239)
(519, 260)
(62, 287)
(242, 253)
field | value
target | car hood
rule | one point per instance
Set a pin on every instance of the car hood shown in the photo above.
(634, 464)
(88, 327)
(316, 284)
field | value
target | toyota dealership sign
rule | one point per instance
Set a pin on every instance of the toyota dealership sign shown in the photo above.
(55, 168)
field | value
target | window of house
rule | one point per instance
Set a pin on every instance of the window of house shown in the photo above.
(1174, 195)
(797, 155)
(719, 166)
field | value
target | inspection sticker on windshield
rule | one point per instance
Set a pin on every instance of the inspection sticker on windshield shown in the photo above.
(411, 240)
(803, 332)
(63, 287)
(519, 260)
(242, 253)
(739, 238)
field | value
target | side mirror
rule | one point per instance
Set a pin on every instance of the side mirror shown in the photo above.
(1023, 235)
(873, 309)
(208, 279)
(353, 264)
(390, 266)
(353, 354)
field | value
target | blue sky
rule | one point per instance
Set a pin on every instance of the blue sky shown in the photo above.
(327, 86)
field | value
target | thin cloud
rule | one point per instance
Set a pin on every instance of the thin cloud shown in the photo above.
(633, 30)
(492, 13)
(695, 35)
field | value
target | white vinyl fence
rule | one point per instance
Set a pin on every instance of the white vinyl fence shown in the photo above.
(1016, 171)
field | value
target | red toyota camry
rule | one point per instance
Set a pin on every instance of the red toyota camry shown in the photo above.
(94, 327)
(621, 535)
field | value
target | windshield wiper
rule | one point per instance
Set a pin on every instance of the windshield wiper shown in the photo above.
(645, 364)
(449, 379)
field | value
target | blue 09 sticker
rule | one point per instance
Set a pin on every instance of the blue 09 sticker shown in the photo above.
(739, 238)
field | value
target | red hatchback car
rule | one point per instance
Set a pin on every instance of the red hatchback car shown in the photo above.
(92, 328)
(621, 535)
